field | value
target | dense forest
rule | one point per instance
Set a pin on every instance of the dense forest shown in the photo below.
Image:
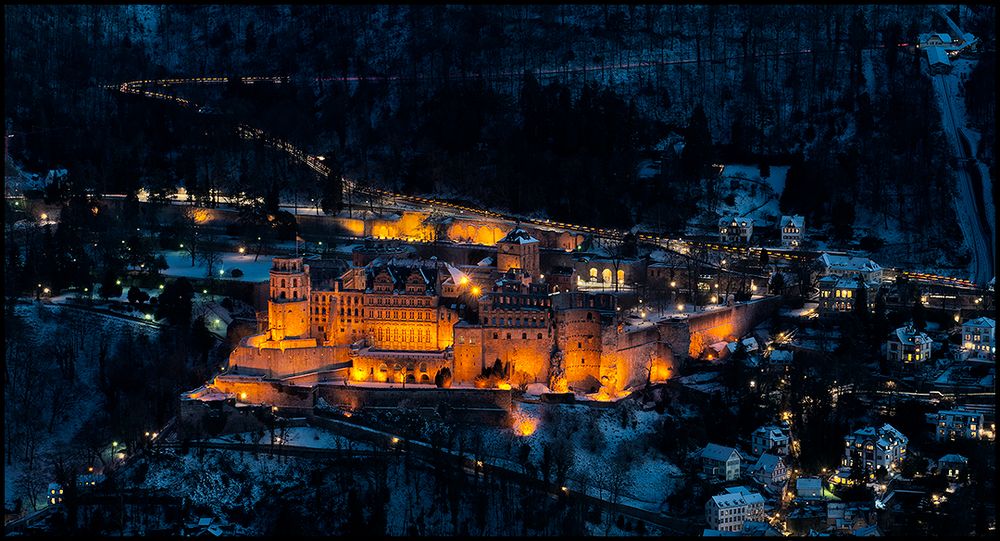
(520, 107)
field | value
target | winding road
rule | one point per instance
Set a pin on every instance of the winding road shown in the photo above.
(144, 88)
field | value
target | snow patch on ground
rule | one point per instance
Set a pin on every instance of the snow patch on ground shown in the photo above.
(253, 271)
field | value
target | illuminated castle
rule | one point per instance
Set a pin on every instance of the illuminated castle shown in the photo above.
(404, 320)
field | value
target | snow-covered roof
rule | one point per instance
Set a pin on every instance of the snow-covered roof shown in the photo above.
(909, 336)
(732, 221)
(793, 221)
(518, 236)
(729, 500)
(770, 431)
(847, 263)
(767, 463)
(953, 458)
(980, 322)
(959, 412)
(808, 483)
(886, 434)
(936, 55)
(718, 452)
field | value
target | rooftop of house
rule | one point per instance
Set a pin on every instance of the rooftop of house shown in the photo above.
(713, 451)
(808, 483)
(733, 221)
(980, 322)
(847, 263)
(953, 459)
(518, 236)
(886, 434)
(767, 463)
(793, 221)
(937, 55)
(959, 412)
(773, 431)
(910, 336)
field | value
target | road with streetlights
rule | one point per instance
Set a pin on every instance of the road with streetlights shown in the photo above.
(315, 162)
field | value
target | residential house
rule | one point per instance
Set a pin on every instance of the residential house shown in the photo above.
(727, 512)
(952, 466)
(959, 424)
(978, 339)
(837, 295)
(792, 230)
(907, 345)
(721, 462)
(735, 230)
(770, 438)
(770, 471)
(873, 447)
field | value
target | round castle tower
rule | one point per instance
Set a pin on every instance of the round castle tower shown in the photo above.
(288, 307)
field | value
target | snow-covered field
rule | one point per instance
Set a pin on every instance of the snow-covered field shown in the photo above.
(253, 271)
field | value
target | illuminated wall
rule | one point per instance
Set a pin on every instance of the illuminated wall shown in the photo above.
(579, 338)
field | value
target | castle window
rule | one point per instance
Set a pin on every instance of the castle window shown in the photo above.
(539, 335)
(496, 335)
(281, 295)
(524, 336)
(590, 316)
(508, 336)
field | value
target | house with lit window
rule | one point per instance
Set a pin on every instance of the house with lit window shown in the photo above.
(735, 230)
(728, 511)
(952, 466)
(978, 339)
(959, 424)
(792, 230)
(907, 345)
(837, 295)
(55, 493)
(769, 439)
(873, 447)
(721, 462)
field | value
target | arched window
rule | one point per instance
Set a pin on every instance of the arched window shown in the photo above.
(606, 276)
(590, 316)
(524, 336)
(621, 276)
(593, 274)
(282, 282)
(295, 294)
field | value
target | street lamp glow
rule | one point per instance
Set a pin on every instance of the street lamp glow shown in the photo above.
(680, 307)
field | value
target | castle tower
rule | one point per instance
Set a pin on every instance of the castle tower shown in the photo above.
(288, 307)
(518, 250)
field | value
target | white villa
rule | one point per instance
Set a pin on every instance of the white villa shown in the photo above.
(727, 512)
(908, 345)
(875, 447)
